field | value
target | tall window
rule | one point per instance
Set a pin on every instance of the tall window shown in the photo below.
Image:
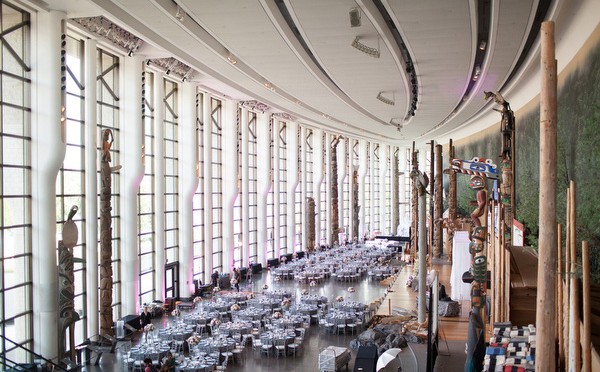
(146, 196)
(217, 183)
(107, 86)
(237, 206)
(270, 198)
(171, 146)
(346, 189)
(377, 181)
(198, 200)
(387, 223)
(15, 177)
(368, 227)
(298, 198)
(282, 188)
(70, 182)
(251, 193)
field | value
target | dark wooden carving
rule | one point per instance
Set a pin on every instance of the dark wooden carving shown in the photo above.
(355, 206)
(106, 274)
(66, 286)
(310, 224)
(335, 223)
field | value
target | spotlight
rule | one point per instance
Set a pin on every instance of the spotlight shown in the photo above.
(373, 52)
(386, 100)
(130, 52)
(148, 62)
(231, 58)
(482, 45)
(355, 17)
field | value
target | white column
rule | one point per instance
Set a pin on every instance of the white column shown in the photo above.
(91, 188)
(47, 155)
(292, 183)
(276, 188)
(230, 177)
(207, 152)
(422, 243)
(384, 204)
(351, 167)
(131, 150)
(303, 178)
(159, 185)
(188, 183)
(263, 170)
(363, 165)
(245, 190)
(371, 195)
(318, 167)
(327, 180)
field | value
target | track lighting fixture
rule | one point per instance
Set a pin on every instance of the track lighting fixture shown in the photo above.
(370, 51)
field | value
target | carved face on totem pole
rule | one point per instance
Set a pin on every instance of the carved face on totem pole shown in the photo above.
(478, 183)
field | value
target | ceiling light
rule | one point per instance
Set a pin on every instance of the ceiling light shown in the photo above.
(180, 15)
(482, 45)
(386, 100)
(477, 72)
(268, 85)
(373, 52)
(231, 58)
(355, 17)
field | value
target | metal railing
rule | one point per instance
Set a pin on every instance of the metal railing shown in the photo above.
(38, 359)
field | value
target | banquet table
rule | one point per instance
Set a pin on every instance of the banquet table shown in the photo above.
(305, 309)
(216, 344)
(288, 321)
(231, 328)
(266, 303)
(202, 317)
(180, 332)
(350, 306)
(278, 334)
(152, 351)
(313, 299)
(196, 364)
(277, 294)
(250, 313)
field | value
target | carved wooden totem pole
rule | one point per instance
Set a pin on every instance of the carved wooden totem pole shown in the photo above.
(480, 169)
(438, 207)
(395, 193)
(310, 224)
(414, 203)
(507, 195)
(106, 274)
(451, 223)
(335, 224)
(66, 285)
(355, 206)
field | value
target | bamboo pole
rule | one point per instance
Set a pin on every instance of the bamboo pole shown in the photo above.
(546, 299)
(574, 325)
(587, 309)
(559, 296)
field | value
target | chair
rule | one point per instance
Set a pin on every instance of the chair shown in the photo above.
(340, 326)
(294, 347)
(238, 352)
(266, 349)
(280, 348)
(223, 366)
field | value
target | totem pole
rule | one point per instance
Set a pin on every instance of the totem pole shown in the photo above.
(480, 169)
(310, 225)
(415, 201)
(421, 181)
(335, 223)
(438, 207)
(507, 195)
(355, 207)
(66, 285)
(106, 274)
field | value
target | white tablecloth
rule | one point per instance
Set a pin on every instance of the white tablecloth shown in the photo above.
(461, 262)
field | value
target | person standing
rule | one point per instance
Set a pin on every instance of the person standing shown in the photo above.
(215, 279)
(237, 275)
(145, 317)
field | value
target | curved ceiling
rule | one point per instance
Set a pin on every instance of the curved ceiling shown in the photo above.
(297, 56)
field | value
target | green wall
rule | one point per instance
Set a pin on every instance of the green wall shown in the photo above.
(578, 154)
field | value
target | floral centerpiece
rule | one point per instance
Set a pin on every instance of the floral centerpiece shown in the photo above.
(197, 299)
(193, 340)
(304, 292)
(176, 312)
(277, 315)
(351, 290)
(215, 322)
(277, 278)
(339, 299)
(235, 307)
(265, 287)
(286, 302)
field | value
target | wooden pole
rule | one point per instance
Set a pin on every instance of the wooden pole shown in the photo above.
(574, 325)
(587, 309)
(451, 203)
(438, 210)
(567, 284)
(559, 294)
(546, 298)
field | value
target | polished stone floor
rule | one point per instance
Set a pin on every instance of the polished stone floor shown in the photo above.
(316, 339)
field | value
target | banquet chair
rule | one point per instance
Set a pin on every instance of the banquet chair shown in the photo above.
(238, 353)
(280, 348)
(223, 366)
(294, 347)
(266, 349)
(340, 326)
